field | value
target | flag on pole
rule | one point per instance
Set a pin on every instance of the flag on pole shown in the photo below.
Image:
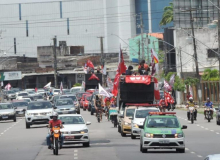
(122, 67)
(90, 64)
(61, 88)
(191, 91)
(154, 63)
(35, 89)
(156, 89)
(47, 85)
(172, 80)
(83, 84)
(8, 87)
(166, 86)
(104, 70)
(116, 84)
(103, 92)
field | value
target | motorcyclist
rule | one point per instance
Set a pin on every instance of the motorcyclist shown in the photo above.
(208, 104)
(191, 103)
(163, 104)
(98, 105)
(52, 123)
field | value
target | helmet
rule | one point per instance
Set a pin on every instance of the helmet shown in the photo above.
(162, 97)
(191, 98)
(55, 114)
(207, 99)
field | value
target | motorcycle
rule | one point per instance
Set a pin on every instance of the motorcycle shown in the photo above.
(208, 114)
(99, 115)
(56, 139)
(113, 116)
(192, 110)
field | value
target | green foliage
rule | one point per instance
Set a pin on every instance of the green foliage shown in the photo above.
(77, 85)
(161, 57)
(191, 81)
(210, 75)
(179, 84)
(167, 15)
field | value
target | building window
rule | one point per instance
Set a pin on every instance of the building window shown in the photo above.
(212, 54)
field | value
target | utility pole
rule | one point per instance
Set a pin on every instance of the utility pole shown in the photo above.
(196, 58)
(55, 60)
(139, 50)
(102, 59)
(219, 47)
(142, 39)
(181, 67)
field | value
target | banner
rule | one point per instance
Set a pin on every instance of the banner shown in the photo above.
(138, 79)
(156, 89)
(61, 88)
(172, 80)
(166, 86)
(7, 76)
(103, 92)
(8, 87)
(48, 85)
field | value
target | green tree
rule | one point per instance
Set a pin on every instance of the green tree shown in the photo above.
(179, 84)
(77, 85)
(167, 15)
(191, 81)
(210, 75)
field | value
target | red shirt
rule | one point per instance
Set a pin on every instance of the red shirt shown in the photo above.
(55, 123)
(162, 103)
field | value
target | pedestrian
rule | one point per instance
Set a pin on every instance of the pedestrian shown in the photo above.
(143, 68)
(98, 70)
(129, 71)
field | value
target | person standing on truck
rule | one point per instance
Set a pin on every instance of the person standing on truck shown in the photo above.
(143, 68)
(129, 71)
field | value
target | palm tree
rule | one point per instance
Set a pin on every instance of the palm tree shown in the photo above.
(167, 15)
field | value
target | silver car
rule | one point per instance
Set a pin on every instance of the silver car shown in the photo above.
(21, 107)
(213, 157)
(7, 112)
(65, 106)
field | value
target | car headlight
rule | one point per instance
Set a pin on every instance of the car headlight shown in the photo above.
(30, 114)
(49, 112)
(148, 135)
(179, 135)
(135, 125)
(84, 131)
(56, 131)
(72, 109)
(126, 123)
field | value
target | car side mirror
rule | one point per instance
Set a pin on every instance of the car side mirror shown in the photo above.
(54, 107)
(184, 127)
(121, 116)
(131, 118)
(88, 123)
(216, 109)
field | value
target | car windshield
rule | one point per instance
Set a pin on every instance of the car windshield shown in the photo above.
(72, 120)
(38, 97)
(6, 106)
(74, 90)
(39, 105)
(57, 90)
(163, 122)
(88, 98)
(63, 102)
(22, 94)
(10, 92)
(27, 100)
(20, 104)
(130, 112)
(143, 113)
(31, 92)
(72, 97)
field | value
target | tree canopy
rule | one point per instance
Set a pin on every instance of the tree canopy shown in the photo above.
(167, 15)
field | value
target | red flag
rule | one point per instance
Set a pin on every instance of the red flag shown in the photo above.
(116, 83)
(90, 64)
(156, 89)
(35, 89)
(138, 79)
(93, 76)
(168, 98)
(122, 67)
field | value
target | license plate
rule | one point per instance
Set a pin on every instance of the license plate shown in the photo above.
(65, 112)
(69, 137)
(164, 141)
(4, 117)
(40, 117)
(20, 112)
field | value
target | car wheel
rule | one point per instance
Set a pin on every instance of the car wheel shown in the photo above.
(142, 149)
(180, 150)
(133, 137)
(217, 122)
(86, 144)
(119, 129)
(84, 109)
(27, 125)
(15, 119)
(123, 134)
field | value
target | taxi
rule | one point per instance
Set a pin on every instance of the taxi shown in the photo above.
(162, 130)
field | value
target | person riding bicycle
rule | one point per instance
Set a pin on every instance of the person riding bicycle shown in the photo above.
(52, 123)
(107, 105)
(209, 105)
(191, 103)
(98, 105)
(163, 105)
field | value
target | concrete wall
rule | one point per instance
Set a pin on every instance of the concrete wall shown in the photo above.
(208, 39)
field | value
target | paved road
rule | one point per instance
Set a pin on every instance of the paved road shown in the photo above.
(202, 138)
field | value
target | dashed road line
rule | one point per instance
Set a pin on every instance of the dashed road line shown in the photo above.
(192, 152)
(211, 130)
(199, 156)
(217, 133)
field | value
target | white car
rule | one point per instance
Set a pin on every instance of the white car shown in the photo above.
(25, 99)
(76, 89)
(75, 130)
(56, 91)
(31, 93)
(20, 95)
(138, 120)
(26, 90)
(213, 157)
(38, 112)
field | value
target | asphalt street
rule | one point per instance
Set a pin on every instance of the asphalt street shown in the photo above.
(17, 142)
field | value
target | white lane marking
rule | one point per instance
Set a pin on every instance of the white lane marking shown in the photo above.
(75, 157)
(193, 152)
(199, 156)
(217, 133)
(2, 133)
(202, 127)
(75, 154)
(187, 149)
(207, 129)
(211, 130)
(75, 150)
(198, 125)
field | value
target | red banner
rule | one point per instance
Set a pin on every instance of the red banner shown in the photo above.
(156, 89)
(93, 76)
(168, 98)
(138, 79)
(116, 83)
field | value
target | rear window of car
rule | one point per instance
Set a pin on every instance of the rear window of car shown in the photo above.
(39, 105)
(162, 122)
(143, 113)
(130, 112)
(6, 106)
(20, 104)
(72, 97)
(22, 94)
